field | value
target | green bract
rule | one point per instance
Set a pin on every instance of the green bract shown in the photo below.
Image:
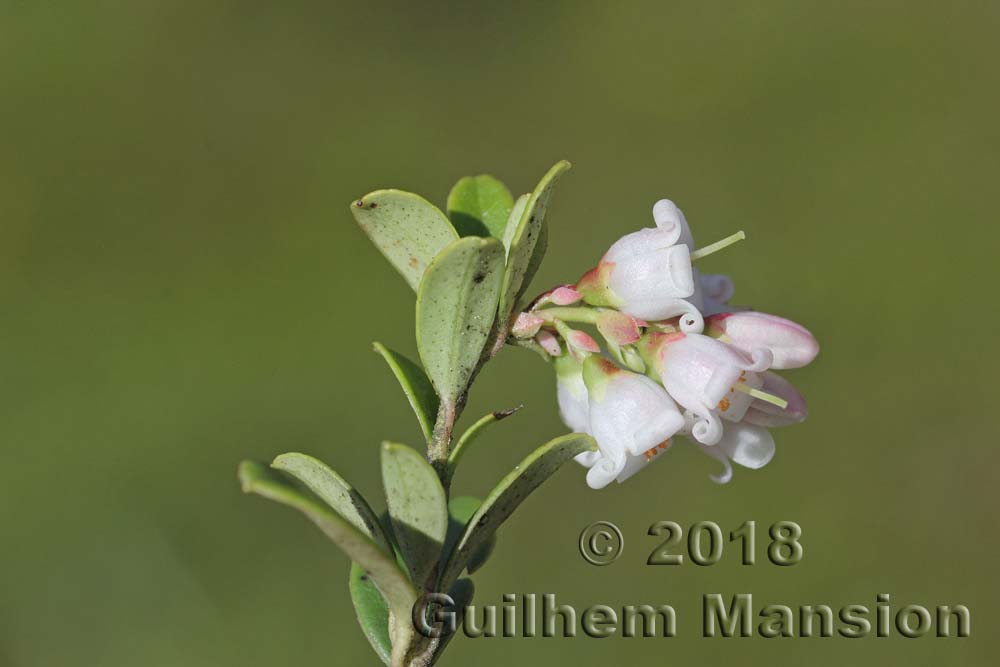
(469, 269)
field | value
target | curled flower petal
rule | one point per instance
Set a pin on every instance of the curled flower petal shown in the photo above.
(791, 344)
(604, 471)
(667, 215)
(726, 475)
(747, 445)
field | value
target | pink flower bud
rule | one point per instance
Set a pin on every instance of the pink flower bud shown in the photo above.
(790, 344)
(526, 325)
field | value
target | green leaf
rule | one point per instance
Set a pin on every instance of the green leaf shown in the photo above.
(479, 206)
(418, 507)
(460, 510)
(456, 307)
(418, 389)
(514, 219)
(335, 492)
(381, 566)
(530, 234)
(406, 228)
(473, 432)
(372, 611)
(462, 593)
(511, 492)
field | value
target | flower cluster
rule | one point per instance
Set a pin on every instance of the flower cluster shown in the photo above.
(677, 359)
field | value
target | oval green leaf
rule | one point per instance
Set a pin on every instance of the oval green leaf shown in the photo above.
(508, 494)
(529, 235)
(479, 206)
(381, 566)
(406, 228)
(514, 219)
(418, 507)
(372, 611)
(335, 492)
(456, 307)
(460, 510)
(417, 387)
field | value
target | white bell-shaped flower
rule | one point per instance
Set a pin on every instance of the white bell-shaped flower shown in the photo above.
(646, 274)
(702, 375)
(630, 415)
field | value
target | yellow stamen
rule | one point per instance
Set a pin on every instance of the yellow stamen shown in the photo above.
(762, 395)
(717, 246)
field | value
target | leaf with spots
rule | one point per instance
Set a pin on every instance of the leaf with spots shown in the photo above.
(456, 307)
(479, 206)
(418, 508)
(381, 566)
(528, 242)
(372, 611)
(508, 494)
(406, 228)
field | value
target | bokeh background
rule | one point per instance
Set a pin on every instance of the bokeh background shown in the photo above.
(182, 286)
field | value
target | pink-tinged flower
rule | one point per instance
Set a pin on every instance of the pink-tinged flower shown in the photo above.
(790, 344)
(646, 274)
(744, 444)
(768, 415)
(708, 378)
(630, 415)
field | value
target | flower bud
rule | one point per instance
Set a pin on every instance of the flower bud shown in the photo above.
(790, 344)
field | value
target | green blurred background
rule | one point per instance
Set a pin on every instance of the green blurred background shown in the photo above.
(182, 286)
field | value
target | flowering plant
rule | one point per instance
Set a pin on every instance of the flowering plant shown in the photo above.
(676, 361)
